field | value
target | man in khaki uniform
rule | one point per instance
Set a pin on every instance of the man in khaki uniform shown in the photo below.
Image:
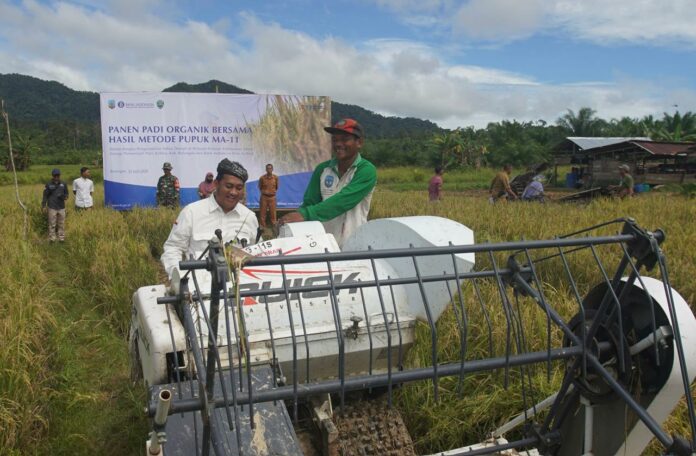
(268, 186)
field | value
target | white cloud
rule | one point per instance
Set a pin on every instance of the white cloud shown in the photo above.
(412, 5)
(644, 21)
(91, 48)
(499, 20)
(484, 76)
(665, 22)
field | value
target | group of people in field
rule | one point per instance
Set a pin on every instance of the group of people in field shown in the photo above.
(500, 188)
(55, 195)
(338, 195)
(167, 194)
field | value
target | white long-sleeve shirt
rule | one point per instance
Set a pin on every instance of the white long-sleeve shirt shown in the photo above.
(83, 189)
(196, 225)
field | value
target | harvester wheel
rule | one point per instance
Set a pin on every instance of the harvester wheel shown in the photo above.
(370, 427)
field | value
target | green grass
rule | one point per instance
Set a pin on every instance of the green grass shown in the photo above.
(66, 387)
(40, 174)
(405, 178)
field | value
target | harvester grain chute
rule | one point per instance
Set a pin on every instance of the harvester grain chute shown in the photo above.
(247, 339)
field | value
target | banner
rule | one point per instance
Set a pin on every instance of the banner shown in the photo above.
(194, 131)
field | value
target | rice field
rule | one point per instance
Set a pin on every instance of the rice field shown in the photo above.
(64, 370)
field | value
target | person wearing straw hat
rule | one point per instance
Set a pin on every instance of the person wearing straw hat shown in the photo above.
(168, 188)
(534, 191)
(340, 190)
(223, 210)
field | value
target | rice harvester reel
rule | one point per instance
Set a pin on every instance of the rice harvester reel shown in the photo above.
(245, 338)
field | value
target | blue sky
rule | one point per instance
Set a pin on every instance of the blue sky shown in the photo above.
(457, 63)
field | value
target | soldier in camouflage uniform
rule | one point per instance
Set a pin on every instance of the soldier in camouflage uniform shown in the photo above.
(168, 188)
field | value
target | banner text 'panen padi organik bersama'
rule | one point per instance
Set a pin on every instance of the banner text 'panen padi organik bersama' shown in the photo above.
(194, 131)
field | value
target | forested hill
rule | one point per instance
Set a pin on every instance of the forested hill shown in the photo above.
(33, 100)
(29, 99)
(375, 125)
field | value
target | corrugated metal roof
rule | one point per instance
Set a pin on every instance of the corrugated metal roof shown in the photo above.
(661, 148)
(593, 142)
(665, 148)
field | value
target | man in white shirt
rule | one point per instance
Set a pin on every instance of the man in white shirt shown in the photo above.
(82, 188)
(198, 221)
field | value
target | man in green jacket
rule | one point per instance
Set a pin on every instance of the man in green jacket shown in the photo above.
(340, 190)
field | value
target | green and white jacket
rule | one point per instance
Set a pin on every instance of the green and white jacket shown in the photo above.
(341, 203)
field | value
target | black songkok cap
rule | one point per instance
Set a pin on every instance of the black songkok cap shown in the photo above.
(233, 168)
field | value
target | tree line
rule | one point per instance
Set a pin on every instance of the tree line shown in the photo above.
(521, 143)
(73, 134)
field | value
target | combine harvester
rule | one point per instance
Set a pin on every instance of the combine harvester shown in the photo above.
(247, 344)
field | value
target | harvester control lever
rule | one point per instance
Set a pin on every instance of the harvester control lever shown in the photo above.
(353, 330)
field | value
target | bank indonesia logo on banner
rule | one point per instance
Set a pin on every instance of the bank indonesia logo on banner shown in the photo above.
(197, 130)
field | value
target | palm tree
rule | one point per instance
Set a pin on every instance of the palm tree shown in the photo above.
(676, 128)
(23, 148)
(647, 125)
(450, 145)
(584, 123)
(624, 126)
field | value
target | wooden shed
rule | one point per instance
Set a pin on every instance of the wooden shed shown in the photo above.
(573, 151)
(651, 162)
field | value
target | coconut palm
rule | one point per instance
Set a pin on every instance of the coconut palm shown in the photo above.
(675, 128)
(584, 123)
(625, 126)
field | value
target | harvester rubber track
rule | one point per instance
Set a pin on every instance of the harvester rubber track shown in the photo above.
(371, 427)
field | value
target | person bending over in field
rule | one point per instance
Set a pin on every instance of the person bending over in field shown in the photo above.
(534, 191)
(500, 185)
(198, 221)
(340, 190)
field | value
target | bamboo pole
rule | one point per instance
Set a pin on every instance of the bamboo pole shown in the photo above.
(14, 170)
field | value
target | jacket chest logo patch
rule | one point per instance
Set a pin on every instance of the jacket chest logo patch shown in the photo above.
(328, 181)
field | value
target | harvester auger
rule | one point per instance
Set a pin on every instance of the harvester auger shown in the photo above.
(246, 340)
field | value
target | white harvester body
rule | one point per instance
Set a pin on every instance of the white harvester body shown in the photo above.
(336, 316)
(314, 322)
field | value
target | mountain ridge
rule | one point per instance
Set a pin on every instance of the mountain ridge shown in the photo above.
(32, 100)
